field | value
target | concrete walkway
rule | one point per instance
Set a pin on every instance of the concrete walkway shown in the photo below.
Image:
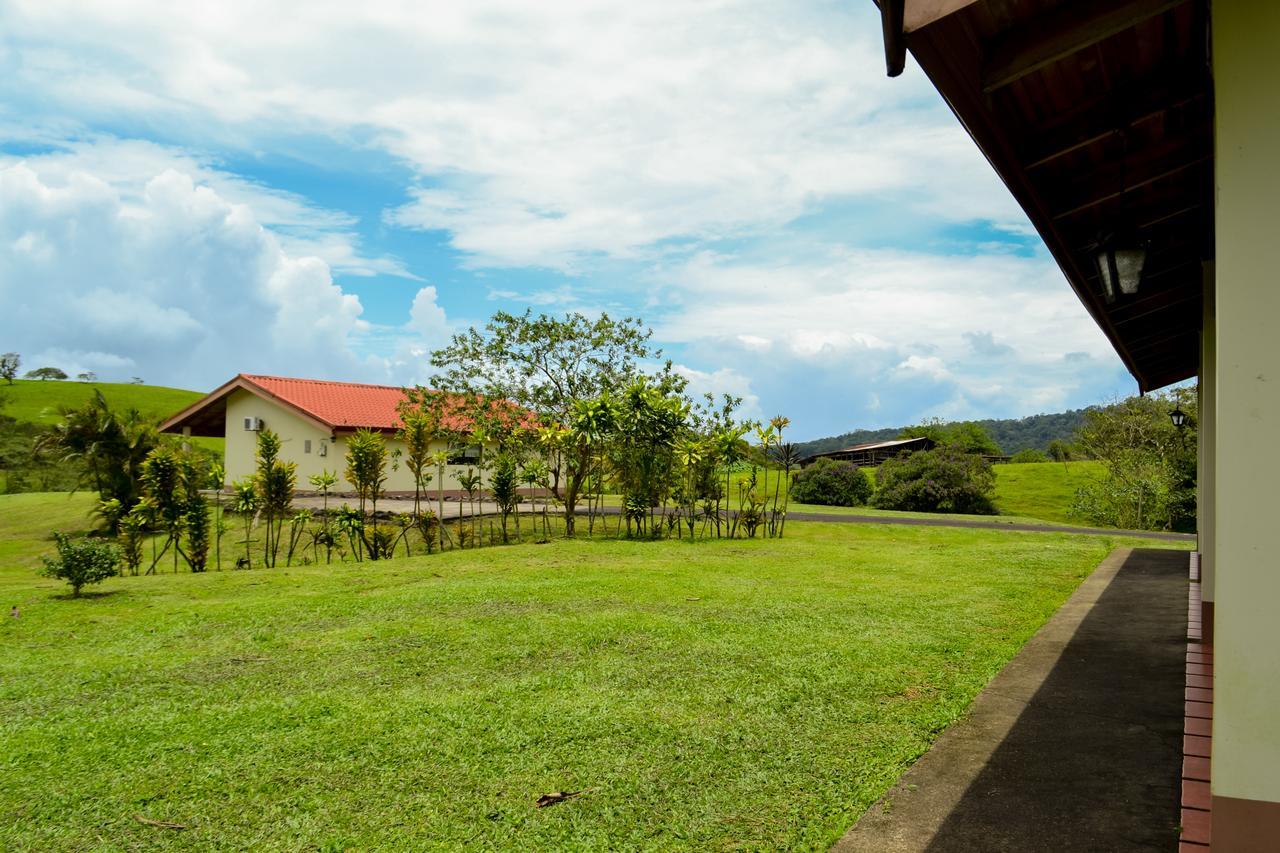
(1076, 745)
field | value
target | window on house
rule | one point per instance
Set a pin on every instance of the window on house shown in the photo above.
(306, 446)
(464, 454)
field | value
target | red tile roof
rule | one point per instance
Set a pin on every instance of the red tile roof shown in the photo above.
(352, 405)
(338, 406)
(341, 405)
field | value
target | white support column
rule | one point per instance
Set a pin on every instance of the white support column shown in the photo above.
(1206, 467)
(1246, 713)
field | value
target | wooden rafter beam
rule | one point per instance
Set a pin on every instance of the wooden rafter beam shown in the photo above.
(1114, 113)
(1066, 30)
(1140, 169)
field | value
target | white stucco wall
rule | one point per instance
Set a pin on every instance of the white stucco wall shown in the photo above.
(295, 432)
(1246, 715)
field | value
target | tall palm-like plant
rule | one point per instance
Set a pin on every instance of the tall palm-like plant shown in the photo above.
(245, 502)
(367, 472)
(275, 481)
(788, 456)
(162, 479)
(729, 450)
(217, 480)
(323, 483)
(109, 446)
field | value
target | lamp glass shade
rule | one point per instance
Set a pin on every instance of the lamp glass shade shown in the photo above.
(1178, 417)
(1121, 269)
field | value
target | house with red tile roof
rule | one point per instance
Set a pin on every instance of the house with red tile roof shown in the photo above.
(313, 419)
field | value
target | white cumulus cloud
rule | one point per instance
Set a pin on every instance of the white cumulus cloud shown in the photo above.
(179, 283)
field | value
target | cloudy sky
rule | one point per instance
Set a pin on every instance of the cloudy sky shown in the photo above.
(328, 189)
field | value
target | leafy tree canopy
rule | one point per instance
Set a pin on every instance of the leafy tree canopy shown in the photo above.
(45, 373)
(549, 363)
(831, 482)
(9, 364)
(945, 479)
(970, 436)
(1150, 464)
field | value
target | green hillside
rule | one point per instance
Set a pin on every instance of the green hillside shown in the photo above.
(1011, 434)
(33, 401)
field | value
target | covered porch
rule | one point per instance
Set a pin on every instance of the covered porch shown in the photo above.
(1141, 138)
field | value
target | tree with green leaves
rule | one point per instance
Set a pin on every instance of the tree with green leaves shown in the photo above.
(1149, 464)
(162, 480)
(649, 421)
(9, 364)
(196, 521)
(418, 433)
(82, 561)
(275, 482)
(367, 474)
(547, 364)
(44, 374)
(969, 436)
(505, 486)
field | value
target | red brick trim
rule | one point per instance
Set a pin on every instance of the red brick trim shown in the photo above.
(1197, 738)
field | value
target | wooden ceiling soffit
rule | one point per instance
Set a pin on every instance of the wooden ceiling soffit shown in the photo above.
(1068, 29)
(1139, 170)
(1113, 113)
(958, 80)
(921, 13)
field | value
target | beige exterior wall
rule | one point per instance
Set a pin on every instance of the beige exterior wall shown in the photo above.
(295, 432)
(1246, 721)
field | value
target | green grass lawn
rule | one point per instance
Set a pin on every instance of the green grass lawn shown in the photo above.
(36, 401)
(1043, 489)
(720, 695)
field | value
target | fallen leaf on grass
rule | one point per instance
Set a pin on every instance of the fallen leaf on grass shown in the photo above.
(558, 797)
(163, 824)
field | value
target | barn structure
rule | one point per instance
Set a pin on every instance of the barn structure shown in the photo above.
(872, 453)
(1141, 138)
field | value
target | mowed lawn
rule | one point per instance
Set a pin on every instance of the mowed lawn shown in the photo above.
(1044, 490)
(710, 696)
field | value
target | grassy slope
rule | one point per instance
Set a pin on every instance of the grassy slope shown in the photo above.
(1043, 489)
(1031, 493)
(748, 695)
(32, 400)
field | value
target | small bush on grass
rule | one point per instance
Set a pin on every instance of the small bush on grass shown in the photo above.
(82, 561)
(945, 479)
(832, 483)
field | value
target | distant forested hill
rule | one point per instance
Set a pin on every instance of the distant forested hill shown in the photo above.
(1013, 434)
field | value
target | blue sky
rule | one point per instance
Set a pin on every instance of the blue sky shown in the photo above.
(330, 190)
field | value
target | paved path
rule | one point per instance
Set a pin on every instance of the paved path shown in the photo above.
(453, 509)
(1075, 745)
(992, 524)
